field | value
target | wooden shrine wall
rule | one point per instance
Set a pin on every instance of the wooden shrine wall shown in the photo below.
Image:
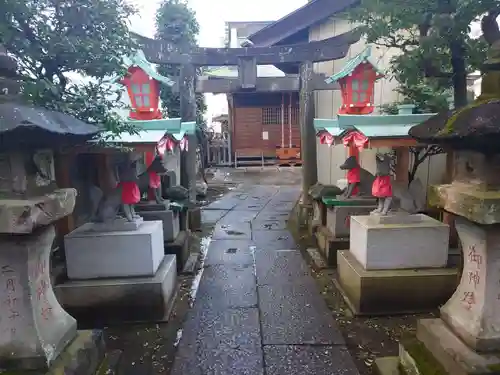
(258, 116)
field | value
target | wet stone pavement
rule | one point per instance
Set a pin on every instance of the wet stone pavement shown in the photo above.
(257, 309)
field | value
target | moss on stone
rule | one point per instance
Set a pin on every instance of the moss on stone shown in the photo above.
(426, 363)
(449, 126)
(494, 368)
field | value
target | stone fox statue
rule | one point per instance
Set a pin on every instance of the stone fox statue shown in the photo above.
(382, 186)
(359, 180)
(152, 179)
(128, 192)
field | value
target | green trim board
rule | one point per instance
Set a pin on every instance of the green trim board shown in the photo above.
(352, 64)
(372, 126)
(139, 60)
(152, 131)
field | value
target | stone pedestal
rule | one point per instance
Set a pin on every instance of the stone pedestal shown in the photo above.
(328, 245)
(396, 264)
(34, 328)
(170, 220)
(91, 254)
(380, 292)
(180, 248)
(399, 242)
(338, 217)
(194, 219)
(116, 300)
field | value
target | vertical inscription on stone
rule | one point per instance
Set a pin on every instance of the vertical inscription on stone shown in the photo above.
(475, 260)
(11, 299)
(40, 277)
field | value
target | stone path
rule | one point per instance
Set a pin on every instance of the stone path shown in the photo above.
(257, 309)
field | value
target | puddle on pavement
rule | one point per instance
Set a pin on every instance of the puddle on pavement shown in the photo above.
(234, 233)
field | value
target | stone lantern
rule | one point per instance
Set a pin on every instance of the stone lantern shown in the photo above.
(466, 337)
(34, 329)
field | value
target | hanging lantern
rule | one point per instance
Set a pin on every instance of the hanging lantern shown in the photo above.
(357, 90)
(144, 94)
(357, 82)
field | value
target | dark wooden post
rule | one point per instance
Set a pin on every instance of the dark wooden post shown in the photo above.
(187, 85)
(307, 134)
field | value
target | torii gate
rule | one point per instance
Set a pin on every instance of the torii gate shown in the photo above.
(247, 59)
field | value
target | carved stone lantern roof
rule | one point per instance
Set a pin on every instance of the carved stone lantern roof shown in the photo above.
(475, 127)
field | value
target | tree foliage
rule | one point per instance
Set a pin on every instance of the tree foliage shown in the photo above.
(66, 51)
(176, 24)
(432, 37)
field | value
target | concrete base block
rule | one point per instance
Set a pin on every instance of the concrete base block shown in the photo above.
(120, 224)
(194, 219)
(399, 241)
(451, 353)
(329, 245)
(379, 292)
(110, 301)
(387, 366)
(170, 220)
(180, 248)
(151, 206)
(338, 218)
(92, 255)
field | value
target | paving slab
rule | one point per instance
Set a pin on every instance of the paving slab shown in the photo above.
(213, 328)
(257, 304)
(233, 231)
(230, 252)
(268, 215)
(212, 216)
(239, 216)
(224, 360)
(296, 315)
(281, 205)
(259, 225)
(253, 204)
(274, 240)
(317, 360)
(228, 202)
(281, 267)
(224, 287)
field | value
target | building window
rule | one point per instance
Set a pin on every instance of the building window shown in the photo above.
(272, 116)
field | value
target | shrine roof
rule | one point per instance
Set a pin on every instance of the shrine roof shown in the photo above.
(152, 131)
(299, 20)
(139, 60)
(372, 126)
(15, 116)
(352, 64)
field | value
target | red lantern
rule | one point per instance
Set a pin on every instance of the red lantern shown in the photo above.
(144, 94)
(357, 90)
